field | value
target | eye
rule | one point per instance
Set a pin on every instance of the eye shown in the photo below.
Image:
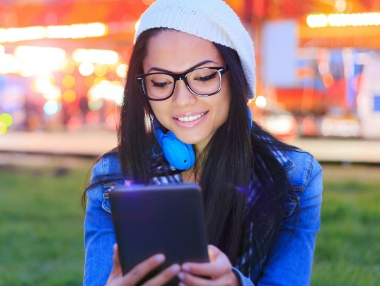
(160, 85)
(206, 78)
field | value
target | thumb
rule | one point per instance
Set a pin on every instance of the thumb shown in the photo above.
(116, 268)
(213, 252)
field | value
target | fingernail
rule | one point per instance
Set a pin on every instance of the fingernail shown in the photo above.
(186, 267)
(175, 269)
(181, 276)
(160, 258)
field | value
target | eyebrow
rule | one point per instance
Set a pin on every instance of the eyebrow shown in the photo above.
(193, 67)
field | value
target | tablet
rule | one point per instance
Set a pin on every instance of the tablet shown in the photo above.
(152, 219)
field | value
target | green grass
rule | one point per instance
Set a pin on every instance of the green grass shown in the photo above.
(348, 248)
(41, 222)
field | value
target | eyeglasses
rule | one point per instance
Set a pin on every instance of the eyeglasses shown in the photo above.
(200, 81)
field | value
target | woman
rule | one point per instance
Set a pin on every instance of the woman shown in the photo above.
(190, 76)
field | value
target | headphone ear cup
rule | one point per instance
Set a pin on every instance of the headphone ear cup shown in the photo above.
(180, 155)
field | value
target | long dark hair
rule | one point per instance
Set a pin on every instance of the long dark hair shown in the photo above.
(235, 156)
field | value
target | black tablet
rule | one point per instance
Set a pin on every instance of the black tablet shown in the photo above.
(152, 219)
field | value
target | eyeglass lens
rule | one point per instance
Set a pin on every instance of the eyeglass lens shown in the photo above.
(201, 82)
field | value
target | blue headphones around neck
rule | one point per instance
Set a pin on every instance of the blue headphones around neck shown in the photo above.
(180, 155)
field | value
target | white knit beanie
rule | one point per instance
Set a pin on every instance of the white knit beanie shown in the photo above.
(212, 20)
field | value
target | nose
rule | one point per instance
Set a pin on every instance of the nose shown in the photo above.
(182, 95)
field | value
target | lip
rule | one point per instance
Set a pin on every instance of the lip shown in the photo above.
(189, 124)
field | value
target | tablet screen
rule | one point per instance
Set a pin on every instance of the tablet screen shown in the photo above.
(156, 219)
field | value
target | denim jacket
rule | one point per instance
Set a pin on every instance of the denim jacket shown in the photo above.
(290, 259)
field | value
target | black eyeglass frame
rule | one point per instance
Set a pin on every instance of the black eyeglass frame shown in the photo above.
(182, 76)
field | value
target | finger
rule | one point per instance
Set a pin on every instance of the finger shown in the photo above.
(142, 269)
(213, 252)
(206, 269)
(116, 268)
(116, 259)
(116, 272)
(218, 266)
(164, 276)
(192, 280)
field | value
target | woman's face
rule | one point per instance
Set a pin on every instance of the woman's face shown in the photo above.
(192, 119)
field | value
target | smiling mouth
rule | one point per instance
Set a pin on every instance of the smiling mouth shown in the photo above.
(190, 118)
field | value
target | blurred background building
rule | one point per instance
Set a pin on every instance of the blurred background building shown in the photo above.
(63, 64)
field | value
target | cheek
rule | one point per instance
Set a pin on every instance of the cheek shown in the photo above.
(158, 109)
(222, 110)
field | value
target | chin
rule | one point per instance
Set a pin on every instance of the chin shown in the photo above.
(190, 139)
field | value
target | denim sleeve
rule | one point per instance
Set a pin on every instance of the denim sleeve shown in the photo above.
(291, 258)
(98, 234)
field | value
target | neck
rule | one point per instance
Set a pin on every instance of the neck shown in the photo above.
(192, 175)
(188, 176)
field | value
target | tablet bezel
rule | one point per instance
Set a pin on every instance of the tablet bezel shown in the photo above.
(151, 219)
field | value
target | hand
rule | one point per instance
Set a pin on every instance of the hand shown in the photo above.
(116, 277)
(219, 270)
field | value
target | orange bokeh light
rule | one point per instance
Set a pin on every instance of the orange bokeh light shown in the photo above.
(328, 80)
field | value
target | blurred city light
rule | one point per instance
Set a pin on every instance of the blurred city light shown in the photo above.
(75, 31)
(328, 80)
(95, 104)
(339, 127)
(100, 70)
(107, 90)
(52, 92)
(342, 20)
(80, 81)
(22, 34)
(3, 35)
(68, 67)
(3, 128)
(340, 5)
(86, 68)
(51, 107)
(314, 21)
(261, 101)
(95, 56)
(68, 81)
(42, 83)
(122, 70)
(39, 60)
(98, 80)
(88, 30)
(9, 64)
(69, 96)
(28, 52)
(89, 80)
(279, 124)
(6, 119)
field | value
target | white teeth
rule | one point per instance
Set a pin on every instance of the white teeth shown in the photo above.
(190, 118)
